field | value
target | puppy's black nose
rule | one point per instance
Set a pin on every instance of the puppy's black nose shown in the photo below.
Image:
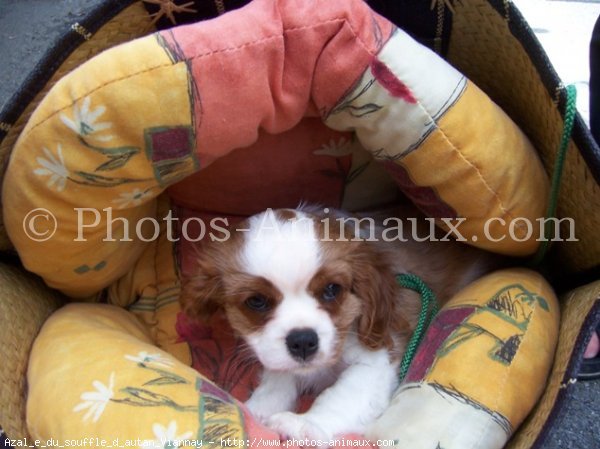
(302, 343)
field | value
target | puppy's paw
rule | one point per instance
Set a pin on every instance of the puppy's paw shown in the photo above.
(299, 427)
(263, 408)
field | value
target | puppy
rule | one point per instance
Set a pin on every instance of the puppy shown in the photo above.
(314, 294)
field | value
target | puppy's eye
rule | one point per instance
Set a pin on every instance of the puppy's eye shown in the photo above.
(331, 292)
(258, 303)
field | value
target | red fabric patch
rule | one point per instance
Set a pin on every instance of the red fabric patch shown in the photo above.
(217, 355)
(441, 328)
(278, 171)
(170, 143)
(390, 82)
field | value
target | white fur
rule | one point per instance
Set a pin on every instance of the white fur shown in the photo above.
(295, 312)
(287, 253)
(353, 391)
(359, 392)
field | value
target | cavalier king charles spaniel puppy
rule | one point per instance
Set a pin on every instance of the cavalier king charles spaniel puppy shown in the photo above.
(314, 294)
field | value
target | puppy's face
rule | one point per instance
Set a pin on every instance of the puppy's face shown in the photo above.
(292, 294)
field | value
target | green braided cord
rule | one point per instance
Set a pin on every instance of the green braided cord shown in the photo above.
(569, 119)
(429, 309)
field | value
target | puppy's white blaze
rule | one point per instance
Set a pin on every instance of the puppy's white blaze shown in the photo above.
(294, 312)
(288, 254)
(285, 252)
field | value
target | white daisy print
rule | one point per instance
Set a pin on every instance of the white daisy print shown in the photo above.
(166, 437)
(84, 120)
(95, 401)
(145, 357)
(53, 167)
(133, 198)
(342, 147)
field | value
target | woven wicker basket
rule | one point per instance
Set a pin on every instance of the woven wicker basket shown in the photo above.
(488, 40)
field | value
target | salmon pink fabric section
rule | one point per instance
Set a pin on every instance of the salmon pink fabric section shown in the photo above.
(285, 60)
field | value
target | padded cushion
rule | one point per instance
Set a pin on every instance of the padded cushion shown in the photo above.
(117, 131)
(482, 366)
(96, 368)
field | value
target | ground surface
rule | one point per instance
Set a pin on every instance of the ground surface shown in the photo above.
(29, 27)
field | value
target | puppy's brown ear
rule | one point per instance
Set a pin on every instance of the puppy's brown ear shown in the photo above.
(202, 291)
(375, 284)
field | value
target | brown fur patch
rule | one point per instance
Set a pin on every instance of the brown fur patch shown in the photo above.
(238, 288)
(285, 214)
(331, 272)
(374, 298)
(203, 292)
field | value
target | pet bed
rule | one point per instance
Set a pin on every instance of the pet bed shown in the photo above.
(331, 104)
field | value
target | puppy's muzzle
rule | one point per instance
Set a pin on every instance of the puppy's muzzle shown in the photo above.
(302, 344)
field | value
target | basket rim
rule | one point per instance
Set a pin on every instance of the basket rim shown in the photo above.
(588, 326)
(522, 31)
(53, 58)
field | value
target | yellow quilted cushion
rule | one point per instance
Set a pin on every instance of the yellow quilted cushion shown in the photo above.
(481, 367)
(454, 152)
(96, 369)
